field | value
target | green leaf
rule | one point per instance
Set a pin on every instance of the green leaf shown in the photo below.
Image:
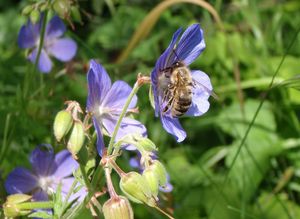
(58, 202)
(41, 214)
(234, 122)
(277, 208)
(252, 162)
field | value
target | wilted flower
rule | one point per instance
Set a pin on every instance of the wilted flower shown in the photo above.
(48, 171)
(188, 48)
(64, 49)
(105, 102)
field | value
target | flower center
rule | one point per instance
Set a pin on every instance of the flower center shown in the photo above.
(103, 110)
(45, 184)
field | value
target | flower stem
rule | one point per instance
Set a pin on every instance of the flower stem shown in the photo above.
(35, 205)
(84, 176)
(31, 72)
(135, 89)
(110, 187)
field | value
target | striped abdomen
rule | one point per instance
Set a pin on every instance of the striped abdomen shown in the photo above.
(182, 101)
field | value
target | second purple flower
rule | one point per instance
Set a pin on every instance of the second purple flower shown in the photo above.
(105, 102)
(63, 49)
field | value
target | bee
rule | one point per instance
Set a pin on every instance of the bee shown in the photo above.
(177, 85)
(178, 90)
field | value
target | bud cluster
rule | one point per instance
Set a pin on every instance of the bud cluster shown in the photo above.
(68, 124)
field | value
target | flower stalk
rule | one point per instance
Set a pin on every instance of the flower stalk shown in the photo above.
(140, 81)
(35, 205)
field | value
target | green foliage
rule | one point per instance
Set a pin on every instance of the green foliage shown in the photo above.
(214, 173)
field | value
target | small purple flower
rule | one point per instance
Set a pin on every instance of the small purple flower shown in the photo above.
(105, 102)
(188, 48)
(48, 171)
(64, 49)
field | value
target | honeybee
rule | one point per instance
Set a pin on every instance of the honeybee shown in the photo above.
(177, 84)
(178, 90)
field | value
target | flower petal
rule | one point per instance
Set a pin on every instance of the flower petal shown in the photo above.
(44, 63)
(116, 97)
(40, 195)
(20, 180)
(55, 28)
(64, 164)
(98, 85)
(63, 49)
(66, 186)
(166, 188)
(201, 93)
(191, 44)
(100, 142)
(172, 126)
(165, 60)
(128, 126)
(41, 159)
(28, 35)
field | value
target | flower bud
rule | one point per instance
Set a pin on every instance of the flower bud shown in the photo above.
(62, 124)
(152, 180)
(160, 172)
(146, 144)
(34, 16)
(76, 14)
(10, 207)
(61, 7)
(136, 188)
(117, 207)
(27, 10)
(76, 139)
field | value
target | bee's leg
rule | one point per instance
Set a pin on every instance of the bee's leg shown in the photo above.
(167, 99)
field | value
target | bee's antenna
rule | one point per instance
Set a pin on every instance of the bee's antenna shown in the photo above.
(177, 57)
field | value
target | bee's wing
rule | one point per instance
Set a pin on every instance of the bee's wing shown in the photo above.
(209, 91)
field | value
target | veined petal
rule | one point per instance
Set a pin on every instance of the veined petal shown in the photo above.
(98, 85)
(55, 28)
(66, 186)
(201, 93)
(191, 44)
(63, 49)
(100, 142)
(116, 97)
(28, 35)
(44, 63)
(172, 126)
(128, 126)
(21, 180)
(165, 60)
(64, 164)
(41, 159)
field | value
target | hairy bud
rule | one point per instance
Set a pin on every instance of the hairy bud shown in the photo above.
(10, 207)
(62, 124)
(76, 139)
(136, 188)
(117, 207)
(160, 171)
(152, 180)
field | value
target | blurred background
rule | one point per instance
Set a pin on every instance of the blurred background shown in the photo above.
(228, 167)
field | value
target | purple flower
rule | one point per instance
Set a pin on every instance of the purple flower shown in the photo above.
(48, 171)
(188, 48)
(64, 49)
(105, 102)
